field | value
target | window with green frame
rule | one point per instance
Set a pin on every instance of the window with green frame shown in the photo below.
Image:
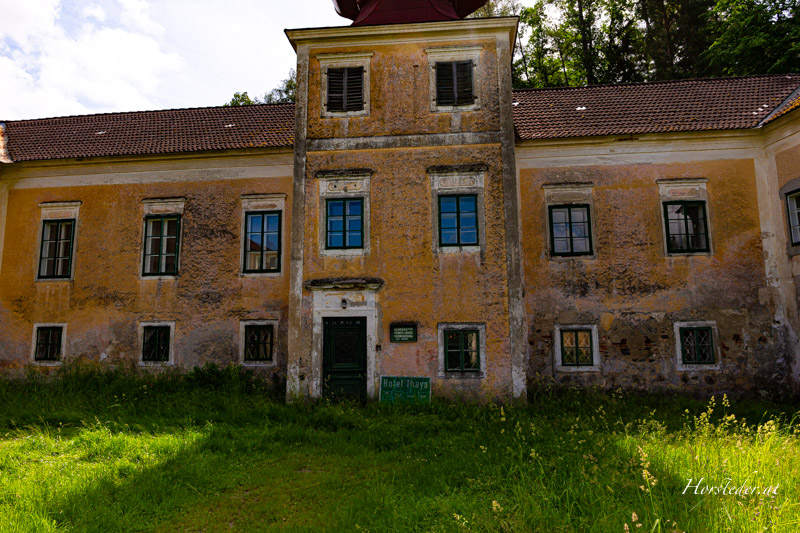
(697, 346)
(570, 230)
(258, 339)
(344, 223)
(793, 204)
(161, 245)
(462, 350)
(48, 343)
(55, 257)
(262, 241)
(576, 347)
(155, 343)
(458, 219)
(686, 227)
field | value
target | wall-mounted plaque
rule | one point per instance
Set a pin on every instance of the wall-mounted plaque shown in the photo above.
(403, 333)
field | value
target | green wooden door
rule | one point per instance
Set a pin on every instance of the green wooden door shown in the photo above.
(344, 357)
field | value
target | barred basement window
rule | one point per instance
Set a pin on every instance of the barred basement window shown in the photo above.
(454, 83)
(55, 258)
(48, 343)
(462, 350)
(262, 244)
(344, 223)
(697, 346)
(686, 227)
(155, 343)
(576, 347)
(161, 245)
(793, 201)
(258, 341)
(345, 89)
(570, 230)
(458, 220)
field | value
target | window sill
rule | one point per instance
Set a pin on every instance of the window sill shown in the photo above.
(158, 277)
(462, 375)
(259, 364)
(260, 274)
(454, 108)
(50, 280)
(571, 257)
(696, 368)
(458, 249)
(155, 363)
(343, 252)
(344, 114)
(688, 254)
(577, 369)
(47, 363)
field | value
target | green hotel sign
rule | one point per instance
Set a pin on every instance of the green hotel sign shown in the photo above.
(398, 389)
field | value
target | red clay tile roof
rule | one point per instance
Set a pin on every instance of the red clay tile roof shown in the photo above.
(790, 105)
(685, 105)
(151, 132)
(688, 105)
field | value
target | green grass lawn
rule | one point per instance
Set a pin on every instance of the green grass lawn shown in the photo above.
(212, 452)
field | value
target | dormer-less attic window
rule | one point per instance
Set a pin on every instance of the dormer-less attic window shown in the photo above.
(345, 89)
(454, 83)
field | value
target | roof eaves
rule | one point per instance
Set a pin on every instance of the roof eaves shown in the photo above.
(781, 108)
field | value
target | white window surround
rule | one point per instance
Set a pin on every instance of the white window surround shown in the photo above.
(446, 182)
(568, 194)
(330, 301)
(62, 355)
(344, 186)
(269, 322)
(344, 60)
(595, 367)
(158, 207)
(684, 190)
(171, 360)
(454, 53)
(262, 202)
(481, 328)
(679, 365)
(58, 211)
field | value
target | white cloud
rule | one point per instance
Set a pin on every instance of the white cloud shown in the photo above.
(94, 11)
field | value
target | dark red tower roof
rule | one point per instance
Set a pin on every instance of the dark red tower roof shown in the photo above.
(364, 12)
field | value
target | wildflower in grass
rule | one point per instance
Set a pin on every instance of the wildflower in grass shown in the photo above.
(496, 507)
(649, 479)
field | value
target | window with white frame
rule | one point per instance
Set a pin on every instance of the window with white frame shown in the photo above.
(161, 237)
(49, 340)
(686, 221)
(57, 240)
(453, 74)
(344, 204)
(569, 220)
(457, 194)
(345, 84)
(156, 343)
(262, 234)
(793, 209)
(697, 346)
(576, 348)
(257, 342)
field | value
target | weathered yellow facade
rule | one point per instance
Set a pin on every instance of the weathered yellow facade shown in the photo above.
(509, 298)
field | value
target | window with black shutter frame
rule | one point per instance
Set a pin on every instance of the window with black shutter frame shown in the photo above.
(454, 83)
(345, 89)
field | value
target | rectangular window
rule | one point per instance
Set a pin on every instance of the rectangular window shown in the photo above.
(344, 223)
(345, 89)
(458, 220)
(697, 346)
(262, 243)
(48, 343)
(793, 201)
(686, 227)
(570, 230)
(258, 342)
(55, 259)
(454, 83)
(161, 244)
(462, 352)
(155, 343)
(576, 347)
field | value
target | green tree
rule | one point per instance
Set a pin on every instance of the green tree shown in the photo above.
(754, 37)
(240, 99)
(283, 93)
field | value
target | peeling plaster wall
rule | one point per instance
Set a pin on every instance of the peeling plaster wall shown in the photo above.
(634, 291)
(107, 297)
